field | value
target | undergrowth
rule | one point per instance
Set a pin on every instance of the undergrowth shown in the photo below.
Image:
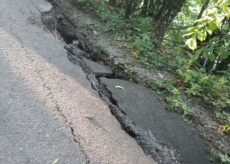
(190, 77)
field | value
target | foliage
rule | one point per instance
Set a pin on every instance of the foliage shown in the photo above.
(214, 19)
(204, 72)
(210, 35)
(224, 158)
(191, 39)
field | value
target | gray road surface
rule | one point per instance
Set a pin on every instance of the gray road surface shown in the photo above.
(149, 113)
(48, 111)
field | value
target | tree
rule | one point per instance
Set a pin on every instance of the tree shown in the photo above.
(130, 7)
(144, 9)
(163, 13)
(204, 7)
(212, 31)
(113, 3)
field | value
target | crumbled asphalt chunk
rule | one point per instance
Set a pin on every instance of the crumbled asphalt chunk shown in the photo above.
(76, 51)
(98, 69)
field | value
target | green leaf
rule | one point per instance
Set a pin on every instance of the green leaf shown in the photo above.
(202, 35)
(192, 43)
(224, 54)
(209, 31)
(189, 34)
(212, 25)
(224, 157)
(218, 21)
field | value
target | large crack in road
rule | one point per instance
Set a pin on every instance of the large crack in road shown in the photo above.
(161, 134)
(49, 112)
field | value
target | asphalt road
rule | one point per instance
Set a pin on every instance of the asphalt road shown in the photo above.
(149, 113)
(48, 111)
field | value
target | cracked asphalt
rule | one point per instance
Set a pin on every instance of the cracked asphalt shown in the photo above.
(48, 110)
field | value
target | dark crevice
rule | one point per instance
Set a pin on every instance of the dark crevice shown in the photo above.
(108, 93)
(56, 21)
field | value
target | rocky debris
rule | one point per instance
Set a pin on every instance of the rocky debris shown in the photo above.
(48, 20)
(44, 7)
(76, 55)
(98, 69)
(76, 51)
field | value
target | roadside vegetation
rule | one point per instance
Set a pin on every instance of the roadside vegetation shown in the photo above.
(190, 39)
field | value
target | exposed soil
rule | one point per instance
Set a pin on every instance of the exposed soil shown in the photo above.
(101, 67)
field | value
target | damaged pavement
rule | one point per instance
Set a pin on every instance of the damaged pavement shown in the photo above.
(51, 114)
(162, 134)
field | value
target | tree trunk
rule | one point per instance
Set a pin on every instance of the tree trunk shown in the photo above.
(164, 13)
(144, 9)
(113, 3)
(204, 7)
(128, 8)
